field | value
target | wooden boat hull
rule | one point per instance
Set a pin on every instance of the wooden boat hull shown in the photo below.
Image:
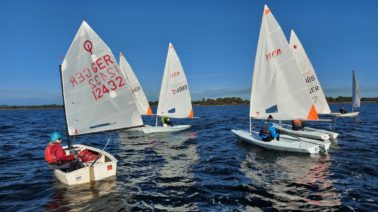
(307, 132)
(286, 143)
(160, 129)
(104, 167)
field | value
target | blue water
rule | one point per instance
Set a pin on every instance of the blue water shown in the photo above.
(203, 169)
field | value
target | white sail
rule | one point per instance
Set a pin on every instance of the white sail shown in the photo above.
(278, 89)
(309, 75)
(356, 93)
(136, 89)
(96, 96)
(174, 100)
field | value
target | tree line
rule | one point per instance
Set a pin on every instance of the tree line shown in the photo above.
(217, 101)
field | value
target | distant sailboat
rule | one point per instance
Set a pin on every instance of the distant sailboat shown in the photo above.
(174, 99)
(136, 89)
(356, 99)
(315, 91)
(356, 96)
(279, 90)
(96, 99)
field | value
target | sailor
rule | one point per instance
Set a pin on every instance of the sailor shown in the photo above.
(268, 131)
(343, 111)
(297, 124)
(56, 157)
(166, 121)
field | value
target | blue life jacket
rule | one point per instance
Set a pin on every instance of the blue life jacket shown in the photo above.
(268, 130)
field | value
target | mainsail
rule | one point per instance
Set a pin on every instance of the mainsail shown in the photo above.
(309, 75)
(356, 93)
(136, 89)
(174, 99)
(278, 89)
(96, 95)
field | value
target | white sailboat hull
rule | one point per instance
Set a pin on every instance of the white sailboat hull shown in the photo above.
(352, 114)
(161, 129)
(307, 132)
(104, 167)
(286, 143)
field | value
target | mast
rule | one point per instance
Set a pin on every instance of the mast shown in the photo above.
(64, 107)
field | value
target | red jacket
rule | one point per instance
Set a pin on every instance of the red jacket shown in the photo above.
(54, 153)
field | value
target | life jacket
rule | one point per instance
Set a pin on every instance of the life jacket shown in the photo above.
(297, 124)
(49, 156)
(265, 132)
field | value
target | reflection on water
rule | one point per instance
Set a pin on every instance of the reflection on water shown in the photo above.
(291, 182)
(158, 169)
(82, 197)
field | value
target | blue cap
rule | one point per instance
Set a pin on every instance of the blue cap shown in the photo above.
(55, 136)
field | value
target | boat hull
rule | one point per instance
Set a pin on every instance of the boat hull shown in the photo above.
(345, 115)
(160, 129)
(104, 167)
(307, 132)
(286, 143)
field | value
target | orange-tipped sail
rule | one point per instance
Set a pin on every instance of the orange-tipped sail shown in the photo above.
(149, 111)
(312, 115)
(137, 91)
(191, 114)
(266, 10)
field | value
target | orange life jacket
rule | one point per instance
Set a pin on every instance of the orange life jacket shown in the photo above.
(297, 122)
(49, 156)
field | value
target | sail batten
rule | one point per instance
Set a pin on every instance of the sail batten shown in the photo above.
(95, 92)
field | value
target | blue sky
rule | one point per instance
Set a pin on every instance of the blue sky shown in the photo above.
(215, 39)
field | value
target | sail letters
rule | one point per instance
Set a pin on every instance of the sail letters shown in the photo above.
(102, 76)
(272, 54)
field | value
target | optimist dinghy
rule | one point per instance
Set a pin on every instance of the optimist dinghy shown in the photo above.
(96, 98)
(174, 99)
(278, 89)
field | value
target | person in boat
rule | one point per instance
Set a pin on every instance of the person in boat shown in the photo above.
(297, 124)
(343, 111)
(57, 158)
(166, 121)
(268, 132)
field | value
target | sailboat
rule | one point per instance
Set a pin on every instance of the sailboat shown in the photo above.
(96, 99)
(315, 91)
(136, 89)
(356, 99)
(174, 99)
(279, 90)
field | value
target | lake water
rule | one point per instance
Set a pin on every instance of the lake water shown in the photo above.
(202, 169)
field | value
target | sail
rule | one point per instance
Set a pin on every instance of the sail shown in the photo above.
(278, 89)
(137, 91)
(309, 75)
(356, 93)
(96, 96)
(174, 99)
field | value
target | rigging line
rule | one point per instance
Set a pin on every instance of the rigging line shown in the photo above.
(99, 155)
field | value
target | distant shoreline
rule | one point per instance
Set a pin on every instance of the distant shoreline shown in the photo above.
(228, 101)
